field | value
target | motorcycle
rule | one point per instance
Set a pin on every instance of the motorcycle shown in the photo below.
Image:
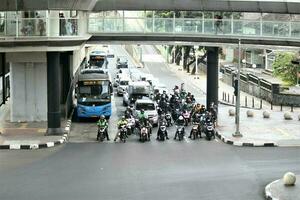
(209, 130)
(180, 132)
(123, 133)
(101, 133)
(144, 134)
(168, 118)
(195, 133)
(130, 125)
(186, 115)
(162, 131)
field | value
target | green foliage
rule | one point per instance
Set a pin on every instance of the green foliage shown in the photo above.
(284, 69)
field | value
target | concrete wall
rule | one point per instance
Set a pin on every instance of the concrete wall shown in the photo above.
(28, 82)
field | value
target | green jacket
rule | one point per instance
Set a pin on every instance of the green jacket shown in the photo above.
(122, 122)
(102, 123)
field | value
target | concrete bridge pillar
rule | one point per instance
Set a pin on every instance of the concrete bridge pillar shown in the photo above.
(28, 96)
(53, 90)
(212, 85)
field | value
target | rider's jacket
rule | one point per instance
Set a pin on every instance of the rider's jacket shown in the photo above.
(122, 122)
(102, 123)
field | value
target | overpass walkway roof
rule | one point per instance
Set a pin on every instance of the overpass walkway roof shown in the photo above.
(268, 6)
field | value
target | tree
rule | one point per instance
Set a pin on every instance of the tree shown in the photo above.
(283, 67)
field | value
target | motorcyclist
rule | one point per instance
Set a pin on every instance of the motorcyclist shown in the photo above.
(121, 122)
(179, 122)
(102, 123)
(202, 109)
(144, 121)
(163, 104)
(193, 99)
(172, 101)
(156, 95)
(164, 96)
(162, 120)
(189, 104)
(128, 112)
(143, 117)
(183, 94)
(213, 110)
(196, 110)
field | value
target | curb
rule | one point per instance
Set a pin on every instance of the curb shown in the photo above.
(245, 144)
(268, 194)
(63, 139)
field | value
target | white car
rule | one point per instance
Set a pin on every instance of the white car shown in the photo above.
(123, 83)
(149, 107)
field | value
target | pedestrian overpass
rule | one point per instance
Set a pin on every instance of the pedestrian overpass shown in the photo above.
(42, 41)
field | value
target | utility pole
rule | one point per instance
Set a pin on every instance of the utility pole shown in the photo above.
(238, 92)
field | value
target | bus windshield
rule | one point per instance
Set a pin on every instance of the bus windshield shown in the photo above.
(95, 91)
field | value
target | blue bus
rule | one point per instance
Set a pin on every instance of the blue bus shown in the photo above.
(93, 91)
(98, 58)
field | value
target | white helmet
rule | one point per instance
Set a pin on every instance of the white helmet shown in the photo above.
(180, 118)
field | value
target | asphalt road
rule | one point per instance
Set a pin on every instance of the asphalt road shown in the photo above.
(85, 169)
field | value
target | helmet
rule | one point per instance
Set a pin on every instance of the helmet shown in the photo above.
(128, 107)
(142, 111)
(102, 117)
(180, 118)
(123, 117)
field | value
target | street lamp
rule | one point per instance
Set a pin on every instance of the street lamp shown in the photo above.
(238, 93)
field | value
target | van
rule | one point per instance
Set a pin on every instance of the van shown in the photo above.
(136, 90)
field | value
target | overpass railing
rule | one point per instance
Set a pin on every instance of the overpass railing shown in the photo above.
(56, 27)
(38, 27)
(195, 26)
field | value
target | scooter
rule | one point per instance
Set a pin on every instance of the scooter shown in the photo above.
(180, 132)
(186, 115)
(144, 134)
(209, 130)
(130, 125)
(162, 131)
(168, 118)
(101, 135)
(123, 133)
(195, 132)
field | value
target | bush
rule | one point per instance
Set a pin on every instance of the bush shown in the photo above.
(284, 69)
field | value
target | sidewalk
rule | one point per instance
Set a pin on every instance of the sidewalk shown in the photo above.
(22, 135)
(256, 131)
(278, 191)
